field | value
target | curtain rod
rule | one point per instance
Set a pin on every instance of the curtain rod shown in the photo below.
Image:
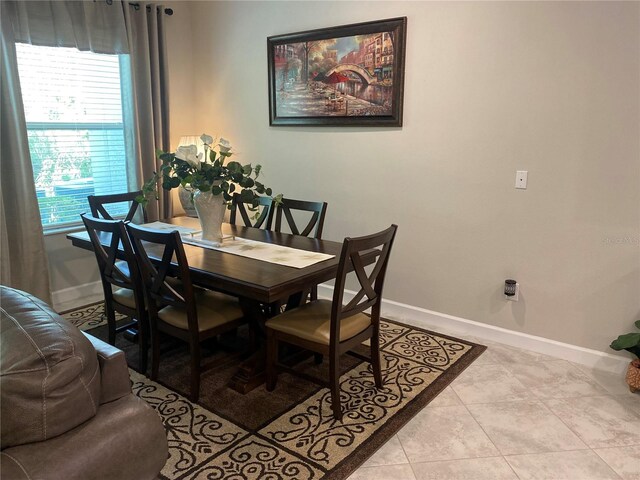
(136, 6)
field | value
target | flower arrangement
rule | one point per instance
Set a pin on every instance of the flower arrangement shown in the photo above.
(207, 172)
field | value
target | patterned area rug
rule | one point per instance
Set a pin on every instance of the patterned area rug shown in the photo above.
(88, 317)
(290, 433)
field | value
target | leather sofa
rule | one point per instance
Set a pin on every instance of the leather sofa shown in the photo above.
(67, 410)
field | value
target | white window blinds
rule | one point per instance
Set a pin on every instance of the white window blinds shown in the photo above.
(73, 109)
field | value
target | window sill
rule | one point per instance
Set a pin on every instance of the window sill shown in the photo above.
(63, 230)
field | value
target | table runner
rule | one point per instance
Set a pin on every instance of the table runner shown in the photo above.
(266, 252)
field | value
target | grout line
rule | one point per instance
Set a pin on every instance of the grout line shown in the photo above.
(607, 463)
(413, 471)
(567, 451)
(400, 441)
(577, 434)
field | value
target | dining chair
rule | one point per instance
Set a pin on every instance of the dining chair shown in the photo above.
(177, 308)
(264, 203)
(97, 204)
(290, 209)
(121, 282)
(331, 328)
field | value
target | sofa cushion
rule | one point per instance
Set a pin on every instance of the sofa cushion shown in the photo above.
(124, 441)
(49, 373)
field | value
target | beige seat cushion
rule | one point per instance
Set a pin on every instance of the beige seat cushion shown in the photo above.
(125, 297)
(312, 321)
(214, 309)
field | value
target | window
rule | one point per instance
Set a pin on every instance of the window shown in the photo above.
(73, 109)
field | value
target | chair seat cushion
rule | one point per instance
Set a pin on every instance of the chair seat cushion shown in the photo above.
(312, 322)
(125, 296)
(214, 309)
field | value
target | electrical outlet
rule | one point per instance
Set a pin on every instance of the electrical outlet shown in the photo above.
(521, 179)
(514, 298)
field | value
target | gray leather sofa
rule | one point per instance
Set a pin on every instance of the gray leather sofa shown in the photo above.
(67, 411)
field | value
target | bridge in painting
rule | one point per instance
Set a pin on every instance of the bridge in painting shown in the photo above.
(365, 77)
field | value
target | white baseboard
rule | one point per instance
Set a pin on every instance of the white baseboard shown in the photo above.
(74, 297)
(449, 324)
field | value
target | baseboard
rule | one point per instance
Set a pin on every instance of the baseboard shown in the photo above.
(73, 297)
(449, 324)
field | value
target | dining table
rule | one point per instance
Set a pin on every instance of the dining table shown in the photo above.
(258, 284)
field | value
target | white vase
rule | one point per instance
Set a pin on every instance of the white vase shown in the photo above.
(210, 210)
(185, 200)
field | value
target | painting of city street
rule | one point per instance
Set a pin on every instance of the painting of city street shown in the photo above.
(348, 75)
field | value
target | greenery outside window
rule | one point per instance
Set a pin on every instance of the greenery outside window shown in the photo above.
(73, 106)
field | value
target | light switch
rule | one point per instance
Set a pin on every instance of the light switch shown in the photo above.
(521, 179)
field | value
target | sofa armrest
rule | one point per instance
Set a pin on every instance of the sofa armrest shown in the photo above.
(114, 373)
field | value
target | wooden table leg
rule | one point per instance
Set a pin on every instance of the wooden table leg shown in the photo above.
(252, 371)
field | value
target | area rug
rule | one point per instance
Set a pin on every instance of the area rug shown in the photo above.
(89, 316)
(290, 433)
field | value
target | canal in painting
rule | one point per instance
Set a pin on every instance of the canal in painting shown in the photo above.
(351, 98)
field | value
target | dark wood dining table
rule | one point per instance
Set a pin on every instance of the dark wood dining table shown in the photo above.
(257, 283)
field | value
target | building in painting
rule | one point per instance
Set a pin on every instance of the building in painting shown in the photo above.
(282, 53)
(387, 56)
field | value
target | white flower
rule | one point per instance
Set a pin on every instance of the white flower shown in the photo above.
(224, 145)
(189, 154)
(207, 139)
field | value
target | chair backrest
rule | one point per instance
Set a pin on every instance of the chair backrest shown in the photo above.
(108, 237)
(238, 206)
(352, 259)
(155, 251)
(287, 209)
(97, 204)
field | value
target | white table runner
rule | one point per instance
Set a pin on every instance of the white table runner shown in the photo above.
(266, 252)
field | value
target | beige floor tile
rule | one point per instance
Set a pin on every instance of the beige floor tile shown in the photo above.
(557, 379)
(631, 401)
(444, 433)
(508, 355)
(524, 427)
(613, 383)
(488, 357)
(446, 398)
(625, 461)
(391, 453)
(488, 384)
(388, 472)
(577, 465)
(494, 468)
(600, 422)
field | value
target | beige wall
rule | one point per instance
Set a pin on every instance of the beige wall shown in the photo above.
(491, 88)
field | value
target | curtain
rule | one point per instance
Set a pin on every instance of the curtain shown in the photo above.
(23, 259)
(93, 26)
(101, 28)
(149, 97)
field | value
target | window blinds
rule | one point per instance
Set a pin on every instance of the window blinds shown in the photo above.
(73, 109)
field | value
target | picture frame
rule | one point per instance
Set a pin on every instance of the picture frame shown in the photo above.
(349, 75)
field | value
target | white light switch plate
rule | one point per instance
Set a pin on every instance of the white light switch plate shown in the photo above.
(521, 179)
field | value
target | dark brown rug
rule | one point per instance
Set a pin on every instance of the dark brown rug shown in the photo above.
(289, 433)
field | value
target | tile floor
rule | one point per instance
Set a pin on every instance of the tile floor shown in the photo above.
(516, 414)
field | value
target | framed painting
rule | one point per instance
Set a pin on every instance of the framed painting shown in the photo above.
(346, 75)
